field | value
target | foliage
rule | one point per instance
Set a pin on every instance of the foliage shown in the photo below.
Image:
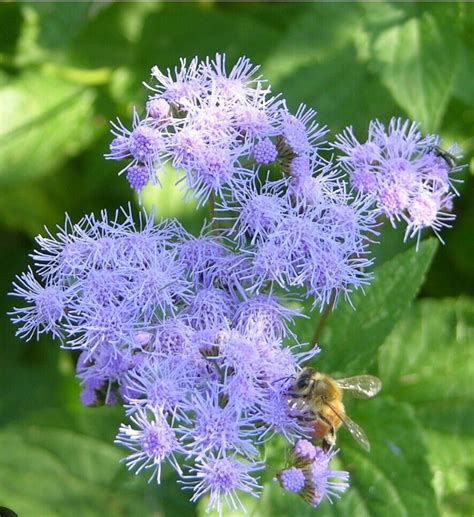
(59, 86)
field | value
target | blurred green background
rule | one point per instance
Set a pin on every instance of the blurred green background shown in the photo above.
(66, 69)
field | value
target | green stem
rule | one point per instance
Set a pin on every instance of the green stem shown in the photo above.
(212, 211)
(322, 320)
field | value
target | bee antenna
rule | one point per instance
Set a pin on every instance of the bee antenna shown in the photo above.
(283, 379)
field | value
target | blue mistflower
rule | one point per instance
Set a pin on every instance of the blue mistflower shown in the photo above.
(217, 426)
(263, 316)
(152, 442)
(310, 475)
(188, 333)
(222, 478)
(210, 308)
(323, 482)
(143, 145)
(138, 176)
(292, 479)
(265, 151)
(157, 108)
(160, 383)
(179, 85)
(404, 173)
(300, 132)
(256, 210)
(46, 307)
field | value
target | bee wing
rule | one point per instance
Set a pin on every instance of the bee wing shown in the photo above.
(354, 429)
(361, 386)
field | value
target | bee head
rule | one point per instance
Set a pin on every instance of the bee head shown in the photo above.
(304, 382)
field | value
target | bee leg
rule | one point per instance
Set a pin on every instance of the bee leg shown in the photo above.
(329, 441)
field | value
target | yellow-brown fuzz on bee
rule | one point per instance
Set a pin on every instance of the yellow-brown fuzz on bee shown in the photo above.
(323, 397)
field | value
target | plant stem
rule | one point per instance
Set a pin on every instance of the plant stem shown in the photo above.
(212, 210)
(322, 321)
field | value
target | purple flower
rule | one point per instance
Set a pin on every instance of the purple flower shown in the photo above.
(211, 170)
(152, 442)
(292, 479)
(304, 451)
(160, 383)
(263, 316)
(45, 311)
(229, 272)
(222, 477)
(404, 173)
(300, 132)
(173, 337)
(138, 176)
(217, 425)
(237, 85)
(323, 482)
(316, 186)
(157, 108)
(103, 368)
(182, 85)
(279, 417)
(258, 211)
(210, 308)
(144, 145)
(311, 476)
(265, 152)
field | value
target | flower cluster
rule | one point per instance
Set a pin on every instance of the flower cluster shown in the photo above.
(308, 474)
(188, 332)
(409, 176)
(226, 132)
(199, 366)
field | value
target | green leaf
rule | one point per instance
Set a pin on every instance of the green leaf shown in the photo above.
(61, 464)
(121, 25)
(417, 59)
(60, 23)
(47, 30)
(395, 475)
(233, 35)
(452, 460)
(428, 360)
(351, 337)
(322, 61)
(45, 121)
(10, 24)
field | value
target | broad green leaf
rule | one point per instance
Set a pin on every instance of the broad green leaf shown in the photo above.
(233, 35)
(120, 24)
(61, 464)
(351, 337)
(464, 85)
(452, 461)
(59, 23)
(319, 33)
(394, 478)
(417, 60)
(29, 209)
(47, 29)
(10, 24)
(45, 121)
(428, 360)
(278, 15)
(322, 61)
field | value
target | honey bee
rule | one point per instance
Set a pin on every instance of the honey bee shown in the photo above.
(322, 396)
